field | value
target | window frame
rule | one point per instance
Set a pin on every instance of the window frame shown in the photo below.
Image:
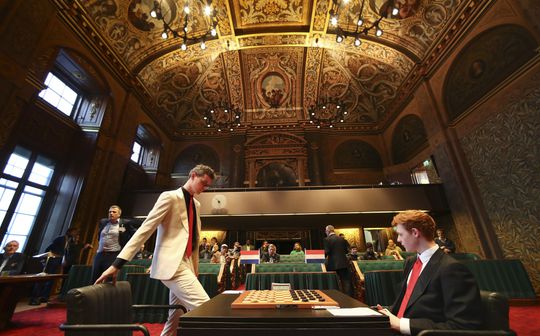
(23, 182)
(81, 94)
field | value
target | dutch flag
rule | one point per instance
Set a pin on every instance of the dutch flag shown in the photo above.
(249, 257)
(315, 256)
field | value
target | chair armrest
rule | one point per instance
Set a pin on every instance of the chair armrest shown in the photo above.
(103, 327)
(150, 306)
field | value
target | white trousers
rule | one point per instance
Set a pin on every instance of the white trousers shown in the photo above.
(184, 289)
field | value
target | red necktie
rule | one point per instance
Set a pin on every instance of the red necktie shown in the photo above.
(410, 286)
(189, 247)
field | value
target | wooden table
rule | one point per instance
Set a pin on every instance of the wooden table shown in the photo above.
(12, 288)
(216, 317)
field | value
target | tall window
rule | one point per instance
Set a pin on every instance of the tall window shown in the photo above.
(136, 152)
(59, 95)
(23, 185)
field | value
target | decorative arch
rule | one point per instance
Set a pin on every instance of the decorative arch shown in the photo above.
(408, 139)
(485, 62)
(277, 174)
(194, 155)
(356, 154)
(276, 159)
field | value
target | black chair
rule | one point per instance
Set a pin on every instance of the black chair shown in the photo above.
(495, 319)
(104, 308)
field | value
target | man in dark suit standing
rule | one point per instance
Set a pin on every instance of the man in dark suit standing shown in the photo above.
(114, 232)
(335, 250)
(438, 292)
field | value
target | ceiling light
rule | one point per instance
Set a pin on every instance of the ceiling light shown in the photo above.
(341, 30)
(223, 117)
(189, 35)
(327, 113)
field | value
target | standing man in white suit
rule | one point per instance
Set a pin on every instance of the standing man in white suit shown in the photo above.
(176, 259)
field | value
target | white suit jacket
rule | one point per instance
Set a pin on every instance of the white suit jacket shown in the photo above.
(169, 216)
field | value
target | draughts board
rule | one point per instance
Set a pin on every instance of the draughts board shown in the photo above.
(299, 298)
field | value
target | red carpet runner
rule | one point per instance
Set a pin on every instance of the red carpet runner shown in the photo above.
(45, 321)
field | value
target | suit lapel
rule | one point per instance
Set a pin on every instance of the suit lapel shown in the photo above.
(425, 277)
(183, 209)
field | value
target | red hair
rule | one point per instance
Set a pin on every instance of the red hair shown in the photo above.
(418, 220)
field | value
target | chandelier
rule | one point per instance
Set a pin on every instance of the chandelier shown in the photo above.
(186, 31)
(362, 27)
(327, 114)
(223, 117)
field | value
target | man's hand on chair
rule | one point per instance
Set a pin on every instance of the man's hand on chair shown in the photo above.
(111, 272)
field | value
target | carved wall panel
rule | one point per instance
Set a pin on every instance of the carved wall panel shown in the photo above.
(367, 86)
(277, 159)
(273, 82)
(409, 138)
(194, 155)
(503, 157)
(485, 62)
(263, 12)
(355, 154)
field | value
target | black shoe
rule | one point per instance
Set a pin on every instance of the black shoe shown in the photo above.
(42, 299)
(34, 302)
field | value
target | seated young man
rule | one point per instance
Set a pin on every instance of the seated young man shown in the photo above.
(438, 292)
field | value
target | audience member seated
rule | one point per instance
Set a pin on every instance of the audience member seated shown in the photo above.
(52, 265)
(263, 249)
(216, 254)
(222, 257)
(297, 249)
(370, 253)
(235, 253)
(202, 245)
(444, 243)
(271, 256)
(353, 254)
(248, 246)
(393, 250)
(11, 261)
(206, 253)
(143, 254)
(214, 242)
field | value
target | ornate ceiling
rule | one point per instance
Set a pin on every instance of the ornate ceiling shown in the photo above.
(272, 58)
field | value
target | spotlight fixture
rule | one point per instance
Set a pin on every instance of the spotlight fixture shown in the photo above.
(190, 8)
(223, 117)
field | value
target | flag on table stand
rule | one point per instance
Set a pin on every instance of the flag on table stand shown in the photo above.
(315, 256)
(249, 257)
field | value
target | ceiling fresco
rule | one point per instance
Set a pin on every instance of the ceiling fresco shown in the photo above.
(272, 58)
